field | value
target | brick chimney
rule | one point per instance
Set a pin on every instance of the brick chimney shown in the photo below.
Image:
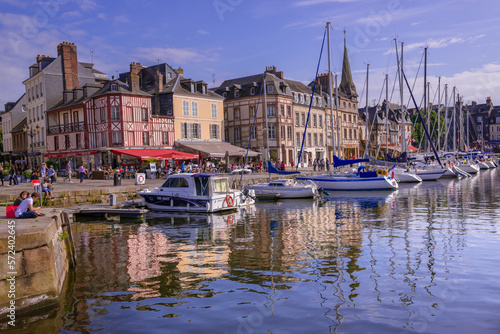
(134, 83)
(67, 51)
(135, 68)
(158, 82)
(180, 72)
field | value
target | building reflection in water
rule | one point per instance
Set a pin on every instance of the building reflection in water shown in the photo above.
(375, 256)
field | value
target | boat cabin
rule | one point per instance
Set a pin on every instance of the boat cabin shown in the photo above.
(196, 184)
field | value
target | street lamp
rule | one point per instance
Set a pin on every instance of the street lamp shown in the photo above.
(31, 132)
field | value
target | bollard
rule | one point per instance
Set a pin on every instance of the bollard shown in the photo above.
(112, 199)
(117, 180)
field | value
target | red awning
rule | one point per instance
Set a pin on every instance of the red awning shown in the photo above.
(69, 154)
(161, 154)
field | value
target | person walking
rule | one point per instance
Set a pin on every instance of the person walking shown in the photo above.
(43, 170)
(82, 172)
(51, 174)
(69, 172)
(314, 164)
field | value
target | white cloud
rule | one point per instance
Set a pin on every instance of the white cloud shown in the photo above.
(74, 13)
(101, 16)
(434, 43)
(122, 19)
(171, 55)
(87, 5)
(305, 3)
(202, 32)
(416, 23)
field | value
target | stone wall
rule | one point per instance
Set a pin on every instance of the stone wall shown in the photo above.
(44, 252)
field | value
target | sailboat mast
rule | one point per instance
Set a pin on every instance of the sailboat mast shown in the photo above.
(467, 120)
(429, 116)
(265, 113)
(367, 117)
(461, 120)
(425, 88)
(403, 113)
(454, 121)
(445, 143)
(337, 114)
(438, 115)
(330, 87)
(386, 115)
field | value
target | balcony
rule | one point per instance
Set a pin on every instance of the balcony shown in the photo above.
(64, 128)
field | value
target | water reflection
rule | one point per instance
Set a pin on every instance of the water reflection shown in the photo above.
(422, 259)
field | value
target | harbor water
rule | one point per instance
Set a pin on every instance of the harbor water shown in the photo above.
(422, 259)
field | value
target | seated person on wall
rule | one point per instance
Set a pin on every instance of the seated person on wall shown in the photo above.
(22, 197)
(47, 188)
(26, 209)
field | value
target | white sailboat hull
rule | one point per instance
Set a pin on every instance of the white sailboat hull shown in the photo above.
(471, 169)
(406, 177)
(430, 175)
(334, 182)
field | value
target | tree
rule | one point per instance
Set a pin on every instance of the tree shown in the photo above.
(418, 130)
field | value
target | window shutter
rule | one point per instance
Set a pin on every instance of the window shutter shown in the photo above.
(218, 131)
(183, 130)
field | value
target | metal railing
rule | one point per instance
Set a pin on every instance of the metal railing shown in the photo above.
(64, 128)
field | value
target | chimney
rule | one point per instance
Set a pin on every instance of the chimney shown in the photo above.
(135, 68)
(180, 72)
(134, 82)
(158, 82)
(279, 74)
(488, 101)
(67, 51)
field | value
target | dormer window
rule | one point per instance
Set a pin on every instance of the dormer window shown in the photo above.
(114, 87)
(193, 88)
(236, 93)
(224, 94)
(169, 75)
(270, 89)
(252, 91)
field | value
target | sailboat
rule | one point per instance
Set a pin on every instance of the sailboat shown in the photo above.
(356, 179)
(283, 188)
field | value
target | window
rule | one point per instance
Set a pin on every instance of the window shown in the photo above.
(56, 143)
(319, 102)
(144, 114)
(252, 91)
(349, 105)
(270, 111)
(320, 139)
(78, 140)
(301, 98)
(117, 138)
(354, 119)
(303, 119)
(236, 93)
(350, 133)
(195, 131)
(309, 140)
(315, 139)
(115, 113)
(169, 75)
(185, 130)
(314, 101)
(288, 112)
(236, 113)
(297, 138)
(185, 108)
(130, 112)
(345, 133)
(41, 90)
(252, 111)
(320, 119)
(270, 89)
(349, 118)
(289, 133)
(224, 94)
(282, 111)
(103, 114)
(214, 110)
(104, 141)
(315, 121)
(237, 134)
(193, 88)
(164, 138)
(272, 132)
(254, 133)
(194, 109)
(36, 87)
(295, 97)
(76, 119)
(355, 134)
(283, 132)
(145, 138)
(345, 118)
(344, 105)
(297, 119)
(66, 142)
(214, 131)
(114, 87)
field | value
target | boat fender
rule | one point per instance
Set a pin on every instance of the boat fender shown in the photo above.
(451, 164)
(230, 220)
(385, 173)
(229, 200)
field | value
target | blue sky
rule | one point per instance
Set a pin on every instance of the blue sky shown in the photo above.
(223, 39)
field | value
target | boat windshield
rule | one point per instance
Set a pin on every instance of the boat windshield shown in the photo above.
(175, 182)
(201, 184)
(221, 186)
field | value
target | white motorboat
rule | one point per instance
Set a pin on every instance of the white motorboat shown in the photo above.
(468, 168)
(284, 188)
(202, 192)
(430, 174)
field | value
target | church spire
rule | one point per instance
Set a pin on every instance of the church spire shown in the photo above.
(347, 84)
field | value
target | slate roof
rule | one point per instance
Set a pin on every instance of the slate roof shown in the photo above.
(19, 126)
